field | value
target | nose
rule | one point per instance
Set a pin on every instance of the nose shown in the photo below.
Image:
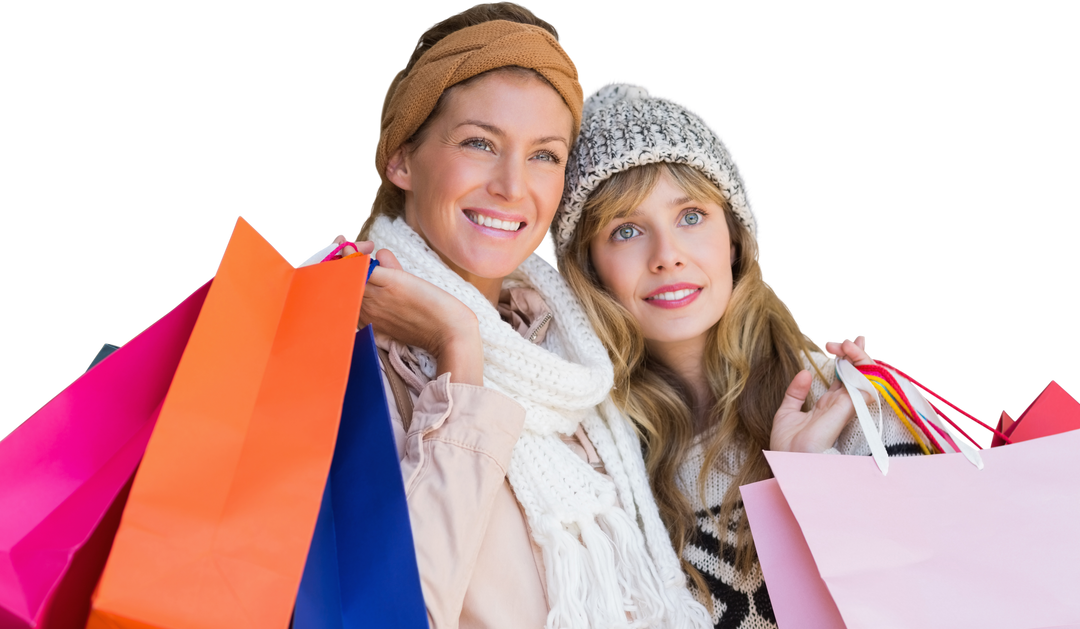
(666, 253)
(508, 178)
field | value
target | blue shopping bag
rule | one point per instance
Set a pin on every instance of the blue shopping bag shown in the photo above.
(361, 567)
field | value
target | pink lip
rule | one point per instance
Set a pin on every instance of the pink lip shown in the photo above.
(679, 303)
(671, 288)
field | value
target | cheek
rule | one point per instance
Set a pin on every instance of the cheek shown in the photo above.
(435, 203)
(548, 190)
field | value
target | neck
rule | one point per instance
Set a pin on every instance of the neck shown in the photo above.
(488, 287)
(686, 359)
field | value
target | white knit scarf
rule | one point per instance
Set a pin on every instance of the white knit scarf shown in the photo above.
(608, 559)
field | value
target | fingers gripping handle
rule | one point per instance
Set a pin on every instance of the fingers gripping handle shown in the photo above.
(856, 383)
(332, 252)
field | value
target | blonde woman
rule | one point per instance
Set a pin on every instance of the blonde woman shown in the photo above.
(657, 239)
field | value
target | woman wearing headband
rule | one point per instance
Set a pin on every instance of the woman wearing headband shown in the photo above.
(527, 492)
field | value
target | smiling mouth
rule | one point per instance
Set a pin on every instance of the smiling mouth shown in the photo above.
(674, 295)
(494, 223)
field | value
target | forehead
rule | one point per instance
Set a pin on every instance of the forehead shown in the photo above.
(513, 101)
(666, 194)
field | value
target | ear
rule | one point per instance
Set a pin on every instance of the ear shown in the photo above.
(733, 255)
(398, 171)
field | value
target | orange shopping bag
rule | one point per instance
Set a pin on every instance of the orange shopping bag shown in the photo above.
(217, 526)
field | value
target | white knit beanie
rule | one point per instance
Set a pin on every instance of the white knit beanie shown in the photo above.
(622, 127)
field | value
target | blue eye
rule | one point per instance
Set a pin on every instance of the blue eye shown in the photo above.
(692, 217)
(624, 232)
(548, 156)
(477, 143)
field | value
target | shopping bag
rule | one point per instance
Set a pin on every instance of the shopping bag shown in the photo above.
(222, 509)
(66, 471)
(1053, 412)
(103, 353)
(361, 568)
(1004, 427)
(800, 599)
(922, 546)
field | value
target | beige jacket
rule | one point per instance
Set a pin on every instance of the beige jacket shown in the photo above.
(479, 567)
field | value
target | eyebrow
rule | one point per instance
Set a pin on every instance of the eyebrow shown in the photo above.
(495, 130)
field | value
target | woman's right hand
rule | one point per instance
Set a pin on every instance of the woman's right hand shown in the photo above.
(818, 428)
(360, 246)
(416, 312)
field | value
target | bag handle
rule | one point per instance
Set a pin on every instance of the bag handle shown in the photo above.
(937, 398)
(856, 383)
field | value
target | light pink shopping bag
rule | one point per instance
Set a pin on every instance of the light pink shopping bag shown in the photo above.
(66, 471)
(972, 539)
(800, 599)
(923, 545)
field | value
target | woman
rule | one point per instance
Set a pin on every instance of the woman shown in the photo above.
(657, 239)
(526, 488)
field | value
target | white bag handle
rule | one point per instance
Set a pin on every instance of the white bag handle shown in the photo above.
(928, 414)
(854, 381)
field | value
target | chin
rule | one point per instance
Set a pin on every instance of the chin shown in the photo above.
(675, 333)
(492, 266)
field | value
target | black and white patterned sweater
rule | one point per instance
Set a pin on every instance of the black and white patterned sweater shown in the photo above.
(740, 601)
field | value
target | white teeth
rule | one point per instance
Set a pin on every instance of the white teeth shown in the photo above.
(674, 295)
(494, 223)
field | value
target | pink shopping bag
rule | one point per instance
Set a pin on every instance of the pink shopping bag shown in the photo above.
(66, 471)
(843, 544)
(800, 599)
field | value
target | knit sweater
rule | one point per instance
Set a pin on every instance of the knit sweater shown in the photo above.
(740, 601)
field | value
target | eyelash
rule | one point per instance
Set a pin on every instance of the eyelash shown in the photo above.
(699, 211)
(473, 142)
(615, 232)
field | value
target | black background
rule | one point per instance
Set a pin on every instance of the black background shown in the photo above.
(913, 186)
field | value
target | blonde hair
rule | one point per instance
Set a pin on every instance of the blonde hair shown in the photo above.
(752, 353)
(389, 199)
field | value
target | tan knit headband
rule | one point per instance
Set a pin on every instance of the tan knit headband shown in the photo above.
(463, 55)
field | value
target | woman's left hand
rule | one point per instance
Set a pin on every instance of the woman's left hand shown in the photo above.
(816, 430)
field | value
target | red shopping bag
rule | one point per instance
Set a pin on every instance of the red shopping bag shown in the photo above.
(222, 509)
(1052, 413)
(66, 472)
(921, 545)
